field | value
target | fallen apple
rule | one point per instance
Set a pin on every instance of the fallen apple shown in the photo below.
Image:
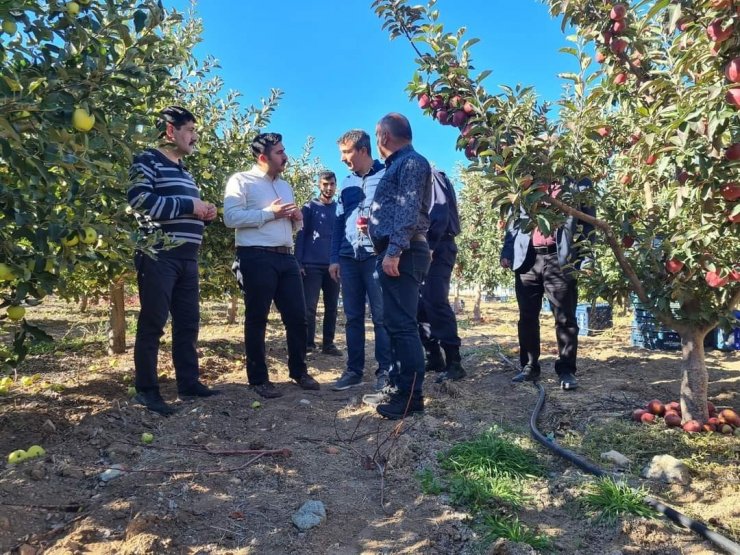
(725, 429)
(730, 416)
(256, 404)
(15, 312)
(16, 456)
(674, 406)
(35, 451)
(147, 438)
(648, 418)
(656, 407)
(672, 420)
(692, 427)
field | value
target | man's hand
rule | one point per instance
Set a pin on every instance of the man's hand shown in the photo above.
(201, 208)
(390, 265)
(334, 272)
(296, 215)
(282, 210)
(505, 263)
(211, 213)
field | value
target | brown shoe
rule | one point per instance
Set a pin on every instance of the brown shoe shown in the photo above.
(307, 382)
(266, 390)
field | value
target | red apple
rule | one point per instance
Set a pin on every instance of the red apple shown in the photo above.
(692, 426)
(626, 179)
(456, 101)
(730, 191)
(673, 406)
(618, 12)
(713, 279)
(618, 46)
(468, 108)
(735, 274)
(471, 149)
(606, 37)
(656, 407)
(628, 241)
(604, 131)
(424, 101)
(620, 78)
(672, 419)
(683, 24)
(647, 418)
(732, 70)
(362, 221)
(466, 130)
(651, 159)
(716, 33)
(619, 27)
(637, 414)
(720, 4)
(708, 428)
(682, 177)
(714, 421)
(733, 152)
(600, 57)
(459, 118)
(442, 116)
(437, 102)
(673, 266)
(732, 97)
(635, 137)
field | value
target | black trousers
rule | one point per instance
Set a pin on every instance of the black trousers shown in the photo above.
(166, 286)
(437, 321)
(545, 276)
(316, 279)
(267, 277)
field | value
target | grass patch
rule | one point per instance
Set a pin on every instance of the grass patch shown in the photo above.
(430, 484)
(494, 527)
(612, 500)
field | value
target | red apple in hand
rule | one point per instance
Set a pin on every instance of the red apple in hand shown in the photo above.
(674, 265)
(362, 221)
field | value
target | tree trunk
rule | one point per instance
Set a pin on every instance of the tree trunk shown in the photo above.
(476, 303)
(694, 379)
(233, 307)
(117, 319)
(83, 303)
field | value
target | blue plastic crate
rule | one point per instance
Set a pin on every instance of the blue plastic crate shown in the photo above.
(593, 319)
(728, 339)
(655, 339)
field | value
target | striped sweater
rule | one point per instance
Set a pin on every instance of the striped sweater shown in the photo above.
(161, 196)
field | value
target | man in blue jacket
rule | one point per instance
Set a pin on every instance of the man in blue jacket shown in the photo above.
(437, 321)
(547, 265)
(312, 250)
(353, 261)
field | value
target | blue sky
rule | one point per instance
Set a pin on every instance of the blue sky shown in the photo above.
(339, 70)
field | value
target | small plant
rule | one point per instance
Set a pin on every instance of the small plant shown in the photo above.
(614, 499)
(498, 526)
(429, 483)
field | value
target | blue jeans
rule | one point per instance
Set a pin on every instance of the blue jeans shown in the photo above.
(401, 303)
(360, 282)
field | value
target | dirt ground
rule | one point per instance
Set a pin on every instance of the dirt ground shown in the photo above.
(197, 489)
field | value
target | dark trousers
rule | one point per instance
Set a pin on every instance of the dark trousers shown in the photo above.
(316, 279)
(267, 277)
(400, 307)
(545, 276)
(166, 286)
(437, 321)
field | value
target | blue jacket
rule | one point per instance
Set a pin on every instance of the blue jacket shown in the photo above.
(313, 242)
(517, 243)
(355, 198)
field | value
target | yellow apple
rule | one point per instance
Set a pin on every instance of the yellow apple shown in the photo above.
(82, 120)
(131, 391)
(89, 236)
(6, 273)
(15, 313)
(147, 438)
(73, 8)
(17, 456)
(35, 451)
(7, 381)
(71, 240)
(10, 27)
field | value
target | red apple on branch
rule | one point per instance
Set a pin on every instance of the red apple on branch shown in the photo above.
(651, 159)
(717, 33)
(713, 279)
(730, 191)
(733, 152)
(618, 12)
(620, 78)
(733, 97)
(674, 265)
(424, 101)
(732, 70)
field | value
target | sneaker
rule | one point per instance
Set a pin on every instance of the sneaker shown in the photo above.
(435, 362)
(528, 374)
(266, 390)
(348, 379)
(307, 382)
(382, 381)
(454, 372)
(568, 381)
(154, 402)
(198, 390)
(331, 350)
(399, 406)
(382, 396)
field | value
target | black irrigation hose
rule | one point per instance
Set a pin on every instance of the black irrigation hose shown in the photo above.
(681, 520)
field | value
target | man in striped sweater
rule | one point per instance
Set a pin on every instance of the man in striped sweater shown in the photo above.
(165, 198)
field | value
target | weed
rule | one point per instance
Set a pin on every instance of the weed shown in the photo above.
(511, 528)
(429, 483)
(614, 499)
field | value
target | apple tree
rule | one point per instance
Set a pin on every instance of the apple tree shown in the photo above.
(650, 114)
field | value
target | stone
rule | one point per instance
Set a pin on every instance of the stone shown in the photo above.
(667, 469)
(616, 457)
(115, 471)
(311, 514)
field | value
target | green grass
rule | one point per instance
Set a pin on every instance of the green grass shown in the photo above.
(430, 484)
(611, 500)
(508, 527)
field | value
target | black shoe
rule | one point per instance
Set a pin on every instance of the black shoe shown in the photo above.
(154, 402)
(435, 362)
(454, 372)
(382, 396)
(568, 381)
(307, 382)
(528, 374)
(331, 350)
(266, 390)
(198, 390)
(399, 406)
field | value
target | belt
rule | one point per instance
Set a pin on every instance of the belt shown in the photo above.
(547, 249)
(419, 237)
(279, 250)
